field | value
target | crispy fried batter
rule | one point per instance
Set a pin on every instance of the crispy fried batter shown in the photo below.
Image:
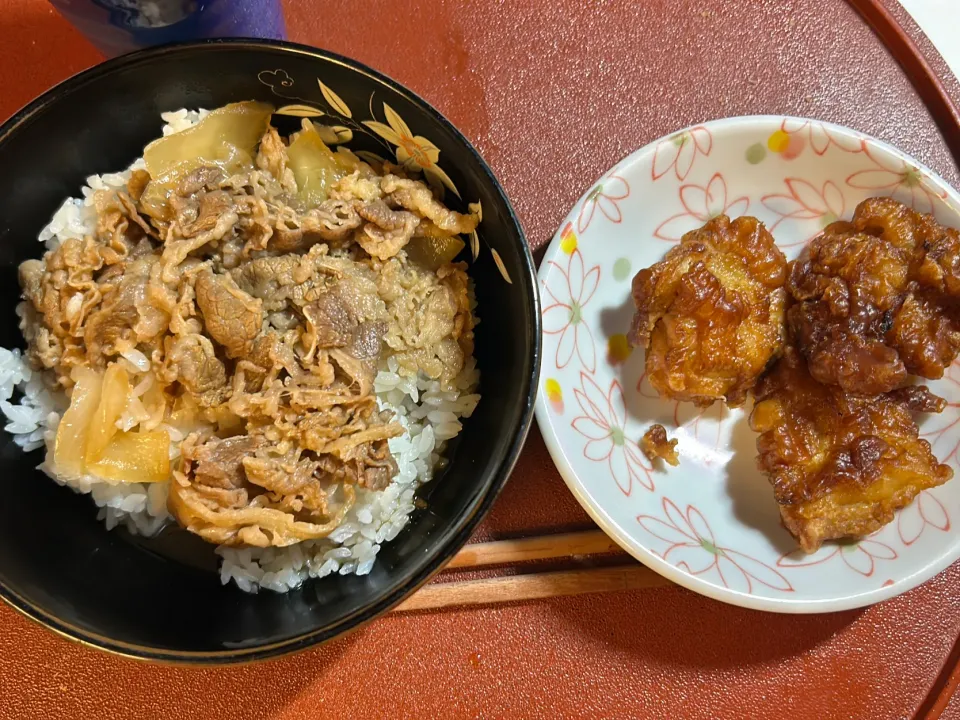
(711, 313)
(840, 464)
(877, 298)
(655, 444)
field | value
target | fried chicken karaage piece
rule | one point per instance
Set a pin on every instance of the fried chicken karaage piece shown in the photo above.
(840, 464)
(711, 313)
(878, 298)
(655, 444)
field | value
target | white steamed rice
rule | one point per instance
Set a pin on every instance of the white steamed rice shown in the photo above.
(431, 416)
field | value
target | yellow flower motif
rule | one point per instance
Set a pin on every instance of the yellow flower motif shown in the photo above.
(568, 239)
(414, 152)
(554, 395)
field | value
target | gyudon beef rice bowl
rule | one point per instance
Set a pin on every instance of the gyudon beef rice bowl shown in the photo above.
(261, 340)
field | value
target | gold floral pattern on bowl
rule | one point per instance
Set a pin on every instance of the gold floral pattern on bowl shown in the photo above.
(415, 153)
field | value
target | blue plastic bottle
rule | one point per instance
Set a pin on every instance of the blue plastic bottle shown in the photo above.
(119, 26)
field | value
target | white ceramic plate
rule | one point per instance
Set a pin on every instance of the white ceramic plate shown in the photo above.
(712, 523)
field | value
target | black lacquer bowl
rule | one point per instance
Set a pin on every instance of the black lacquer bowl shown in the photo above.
(162, 599)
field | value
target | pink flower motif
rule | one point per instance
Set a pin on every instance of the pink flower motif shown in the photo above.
(605, 196)
(897, 177)
(807, 205)
(860, 556)
(944, 441)
(942, 431)
(718, 411)
(700, 204)
(646, 389)
(603, 424)
(923, 511)
(820, 136)
(692, 547)
(678, 152)
(569, 290)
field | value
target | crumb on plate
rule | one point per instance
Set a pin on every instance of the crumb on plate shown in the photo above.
(655, 444)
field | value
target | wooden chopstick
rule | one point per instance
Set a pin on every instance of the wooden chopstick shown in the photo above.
(513, 588)
(532, 586)
(543, 547)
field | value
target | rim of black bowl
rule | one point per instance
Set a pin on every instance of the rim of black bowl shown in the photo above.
(457, 535)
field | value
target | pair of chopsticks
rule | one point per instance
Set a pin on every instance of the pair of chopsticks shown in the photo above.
(532, 585)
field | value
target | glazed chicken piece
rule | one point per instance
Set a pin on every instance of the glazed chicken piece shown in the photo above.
(840, 464)
(878, 298)
(711, 313)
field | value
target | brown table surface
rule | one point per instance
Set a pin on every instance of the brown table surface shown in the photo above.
(552, 94)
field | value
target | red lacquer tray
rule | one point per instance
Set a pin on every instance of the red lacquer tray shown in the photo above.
(552, 94)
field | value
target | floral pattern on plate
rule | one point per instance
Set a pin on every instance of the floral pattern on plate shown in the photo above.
(861, 556)
(712, 523)
(604, 197)
(688, 543)
(602, 423)
(897, 176)
(924, 512)
(565, 299)
(700, 203)
(679, 151)
(821, 135)
(809, 207)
